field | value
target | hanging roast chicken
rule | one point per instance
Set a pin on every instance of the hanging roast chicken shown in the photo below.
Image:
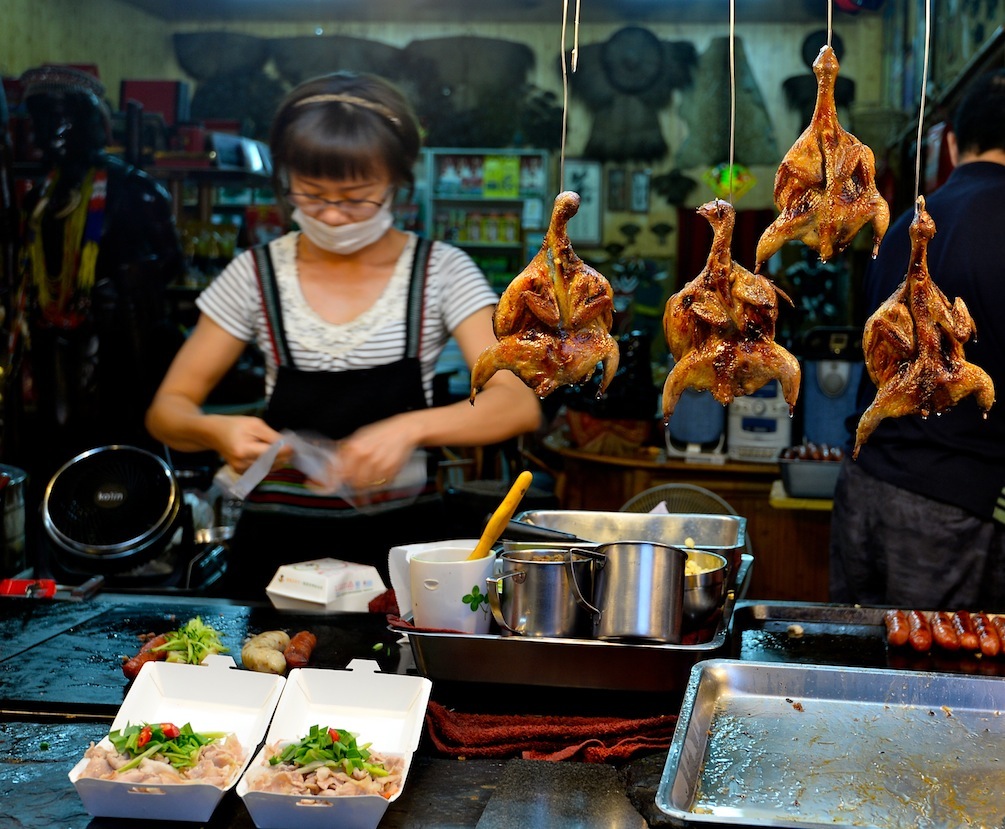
(721, 327)
(553, 321)
(913, 345)
(825, 187)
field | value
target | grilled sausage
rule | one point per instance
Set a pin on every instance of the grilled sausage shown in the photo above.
(298, 652)
(944, 633)
(131, 667)
(987, 635)
(920, 635)
(965, 629)
(998, 622)
(896, 627)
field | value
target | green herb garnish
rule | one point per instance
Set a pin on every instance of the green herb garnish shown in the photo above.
(330, 747)
(192, 643)
(178, 746)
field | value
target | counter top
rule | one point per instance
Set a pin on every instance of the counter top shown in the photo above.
(61, 684)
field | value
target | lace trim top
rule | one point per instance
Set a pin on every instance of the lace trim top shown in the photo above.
(455, 289)
(316, 333)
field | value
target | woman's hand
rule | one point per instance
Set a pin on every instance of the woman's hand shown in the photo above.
(242, 439)
(375, 454)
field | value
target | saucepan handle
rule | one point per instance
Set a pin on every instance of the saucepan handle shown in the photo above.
(494, 589)
(581, 600)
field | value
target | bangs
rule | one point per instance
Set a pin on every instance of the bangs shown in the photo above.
(339, 143)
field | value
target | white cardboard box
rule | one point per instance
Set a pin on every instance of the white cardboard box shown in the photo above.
(325, 584)
(212, 697)
(387, 710)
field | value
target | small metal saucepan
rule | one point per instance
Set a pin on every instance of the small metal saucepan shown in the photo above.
(533, 594)
(705, 590)
(638, 592)
(13, 482)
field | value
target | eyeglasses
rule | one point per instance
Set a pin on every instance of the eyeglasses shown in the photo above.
(353, 208)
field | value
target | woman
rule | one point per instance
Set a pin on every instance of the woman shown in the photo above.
(351, 315)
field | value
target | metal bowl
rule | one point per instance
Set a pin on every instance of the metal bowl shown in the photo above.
(704, 591)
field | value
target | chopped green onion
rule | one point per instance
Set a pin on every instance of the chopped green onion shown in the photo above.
(181, 751)
(330, 747)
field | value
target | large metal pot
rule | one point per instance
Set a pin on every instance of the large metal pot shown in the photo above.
(638, 592)
(12, 485)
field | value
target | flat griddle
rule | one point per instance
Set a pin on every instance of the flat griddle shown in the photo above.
(830, 634)
(64, 659)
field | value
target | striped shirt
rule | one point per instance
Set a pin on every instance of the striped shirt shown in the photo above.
(455, 289)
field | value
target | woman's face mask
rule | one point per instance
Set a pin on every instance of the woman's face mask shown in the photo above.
(343, 238)
(347, 238)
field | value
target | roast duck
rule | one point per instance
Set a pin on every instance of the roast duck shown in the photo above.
(825, 187)
(553, 321)
(721, 327)
(913, 345)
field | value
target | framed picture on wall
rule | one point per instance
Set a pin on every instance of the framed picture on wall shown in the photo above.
(617, 189)
(640, 191)
(584, 177)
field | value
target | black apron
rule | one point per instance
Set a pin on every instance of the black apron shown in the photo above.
(283, 521)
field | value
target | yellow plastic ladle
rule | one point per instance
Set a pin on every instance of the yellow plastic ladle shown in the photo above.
(500, 518)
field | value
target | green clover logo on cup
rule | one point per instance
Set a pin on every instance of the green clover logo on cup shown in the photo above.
(476, 599)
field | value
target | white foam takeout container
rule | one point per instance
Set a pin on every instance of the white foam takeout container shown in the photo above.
(212, 697)
(386, 710)
(325, 584)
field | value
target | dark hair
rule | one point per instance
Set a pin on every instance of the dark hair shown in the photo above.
(979, 121)
(345, 125)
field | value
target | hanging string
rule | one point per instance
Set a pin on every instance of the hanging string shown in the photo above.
(575, 38)
(830, 20)
(732, 92)
(565, 81)
(924, 94)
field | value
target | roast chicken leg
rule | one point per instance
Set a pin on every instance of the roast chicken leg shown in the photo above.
(721, 327)
(825, 187)
(553, 321)
(913, 345)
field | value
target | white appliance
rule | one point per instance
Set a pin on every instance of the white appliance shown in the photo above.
(759, 425)
(697, 428)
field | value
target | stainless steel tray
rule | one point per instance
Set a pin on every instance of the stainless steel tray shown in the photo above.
(768, 744)
(569, 663)
(707, 532)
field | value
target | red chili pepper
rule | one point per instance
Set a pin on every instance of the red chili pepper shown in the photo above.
(144, 738)
(170, 730)
(333, 734)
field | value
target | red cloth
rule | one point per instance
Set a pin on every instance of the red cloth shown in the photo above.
(386, 602)
(398, 623)
(546, 737)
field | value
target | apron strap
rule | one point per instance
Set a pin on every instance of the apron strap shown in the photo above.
(417, 296)
(270, 304)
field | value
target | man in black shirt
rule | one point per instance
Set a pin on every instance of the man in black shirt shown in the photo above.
(919, 518)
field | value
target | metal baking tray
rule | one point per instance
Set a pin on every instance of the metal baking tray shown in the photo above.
(716, 533)
(569, 663)
(769, 744)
